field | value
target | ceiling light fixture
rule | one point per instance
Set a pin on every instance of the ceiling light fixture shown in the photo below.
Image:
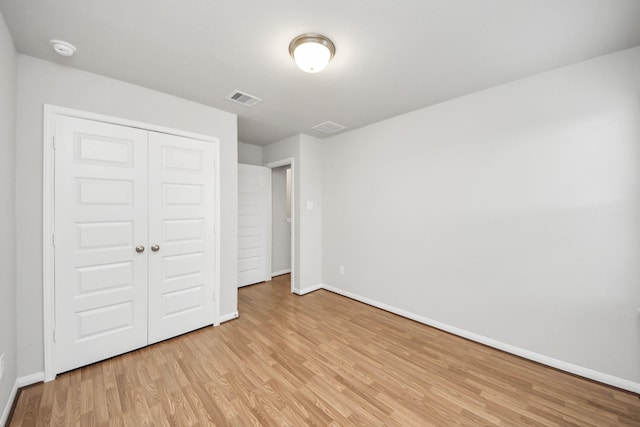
(312, 52)
(63, 48)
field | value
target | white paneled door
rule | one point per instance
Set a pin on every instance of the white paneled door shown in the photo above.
(181, 230)
(254, 209)
(101, 216)
(134, 239)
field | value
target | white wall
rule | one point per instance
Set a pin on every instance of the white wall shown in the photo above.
(512, 213)
(280, 228)
(249, 154)
(41, 82)
(8, 343)
(311, 232)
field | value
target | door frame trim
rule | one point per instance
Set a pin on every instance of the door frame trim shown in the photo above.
(289, 161)
(48, 215)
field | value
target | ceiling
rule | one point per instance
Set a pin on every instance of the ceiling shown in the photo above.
(391, 56)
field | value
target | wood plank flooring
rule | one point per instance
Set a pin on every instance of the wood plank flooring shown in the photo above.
(321, 360)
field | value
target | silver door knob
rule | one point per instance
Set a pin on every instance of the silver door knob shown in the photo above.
(155, 248)
(140, 249)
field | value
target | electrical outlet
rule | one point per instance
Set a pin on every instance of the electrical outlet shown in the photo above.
(341, 269)
(2, 366)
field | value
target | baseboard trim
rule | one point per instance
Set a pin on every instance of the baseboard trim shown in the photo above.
(9, 405)
(38, 377)
(229, 316)
(309, 289)
(530, 355)
(280, 273)
(248, 284)
(20, 382)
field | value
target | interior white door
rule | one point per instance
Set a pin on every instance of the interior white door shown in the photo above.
(100, 218)
(254, 208)
(181, 235)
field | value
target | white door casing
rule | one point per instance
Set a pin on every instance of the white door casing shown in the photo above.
(254, 228)
(101, 216)
(290, 161)
(96, 287)
(181, 224)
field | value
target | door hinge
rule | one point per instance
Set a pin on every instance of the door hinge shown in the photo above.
(53, 240)
(54, 142)
(55, 338)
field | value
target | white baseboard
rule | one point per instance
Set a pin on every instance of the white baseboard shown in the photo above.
(19, 383)
(309, 289)
(248, 284)
(536, 357)
(9, 404)
(38, 377)
(229, 316)
(280, 273)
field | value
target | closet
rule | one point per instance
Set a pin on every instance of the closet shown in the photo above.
(134, 238)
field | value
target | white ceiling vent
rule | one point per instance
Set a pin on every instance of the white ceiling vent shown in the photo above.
(329, 127)
(243, 98)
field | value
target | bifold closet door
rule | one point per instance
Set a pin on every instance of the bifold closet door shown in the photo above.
(100, 218)
(181, 235)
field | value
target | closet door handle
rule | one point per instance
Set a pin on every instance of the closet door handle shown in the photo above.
(155, 248)
(139, 249)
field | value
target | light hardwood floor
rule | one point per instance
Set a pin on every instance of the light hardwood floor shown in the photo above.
(320, 359)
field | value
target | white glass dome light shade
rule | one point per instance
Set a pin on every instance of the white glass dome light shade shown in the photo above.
(311, 52)
(311, 57)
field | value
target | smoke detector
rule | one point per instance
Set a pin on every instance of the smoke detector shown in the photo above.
(63, 48)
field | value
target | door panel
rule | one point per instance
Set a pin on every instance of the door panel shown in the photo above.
(254, 186)
(181, 223)
(101, 215)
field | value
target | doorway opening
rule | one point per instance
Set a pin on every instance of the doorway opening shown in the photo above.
(283, 219)
(280, 220)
